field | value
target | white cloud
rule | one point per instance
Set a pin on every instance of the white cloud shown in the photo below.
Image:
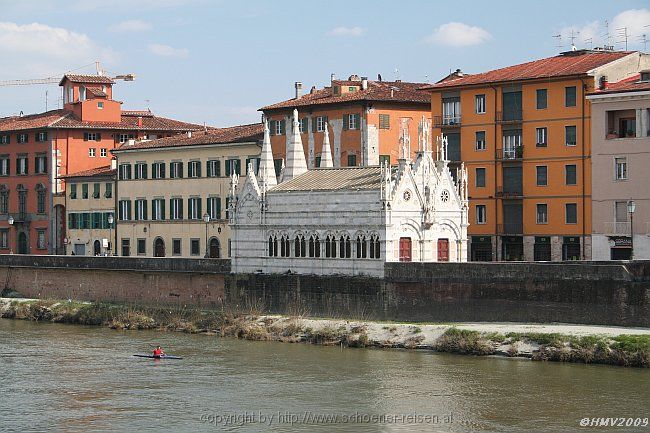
(458, 35)
(131, 26)
(167, 51)
(634, 20)
(125, 5)
(586, 36)
(38, 50)
(346, 31)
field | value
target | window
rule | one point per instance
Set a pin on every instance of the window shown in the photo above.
(570, 135)
(92, 136)
(277, 127)
(233, 166)
(40, 239)
(214, 168)
(302, 125)
(5, 139)
(314, 246)
(620, 211)
(481, 214)
(512, 147)
(330, 246)
(125, 171)
(300, 246)
(451, 111)
(176, 247)
(384, 121)
(126, 247)
(91, 152)
(571, 211)
(285, 245)
(21, 164)
(542, 213)
(22, 201)
(277, 164)
(108, 191)
(570, 96)
(4, 166)
(40, 163)
(480, 177)
(100, 105)
(141, 209)
(352, 160)
(345, 247)
(41, 136)
(480, 104)
(142, 247)
(176, 209)
(375, 249)
(362, 247)
(542, 175)
(255, 162)
(352, 89)
(158, 209)
(214, 208)
(620, 168)
(125, 210)
(480, 140)
(570, 174)
(103, 152)
(273, 246)
(140, 170)
(73, 191)
(321, 122)
(40, 201)
(194, 208)
(351, 121)
(4, 201)
(21, 138)
(542, 99)
(84, 191)
(176, 170)
(82, 93)
(158, 170)
(96, 188)
(384, 159)
(541, 134)
(4, 238)
(195, 247)
(123, 138)
(194, 169)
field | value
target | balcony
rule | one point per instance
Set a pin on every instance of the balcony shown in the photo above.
(446, 121)
(510, 229)
(617, 228)
(510, 116)
(508, 193)
(20, 217)
(511, 153)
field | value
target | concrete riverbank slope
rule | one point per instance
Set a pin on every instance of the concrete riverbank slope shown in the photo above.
(599, 293)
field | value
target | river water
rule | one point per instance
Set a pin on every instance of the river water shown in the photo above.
(71, 378)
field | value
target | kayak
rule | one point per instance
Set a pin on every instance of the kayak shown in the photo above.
(159, 357)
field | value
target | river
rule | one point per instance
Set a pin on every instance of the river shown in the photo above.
(72, 378)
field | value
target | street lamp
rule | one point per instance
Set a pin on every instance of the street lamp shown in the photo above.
(10, 220)
(110, 235)
(206, 219)
(631, 207)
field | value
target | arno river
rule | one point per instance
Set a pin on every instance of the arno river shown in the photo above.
(81, 379)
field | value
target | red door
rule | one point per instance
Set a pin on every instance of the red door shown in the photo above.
(404, 249)
(443, 250)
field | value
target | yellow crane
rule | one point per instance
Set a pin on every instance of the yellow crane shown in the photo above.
(57, 79)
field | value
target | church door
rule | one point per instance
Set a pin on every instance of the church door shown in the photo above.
(404, 249)
(214, 248)
(159, 248)
(443, 250)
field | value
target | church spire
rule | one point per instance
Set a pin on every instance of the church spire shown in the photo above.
(267, 169)
(296, 163)
(326, 154)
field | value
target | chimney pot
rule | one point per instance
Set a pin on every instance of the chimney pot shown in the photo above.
(298, 86)
(139, 121)
(113, 164)
(364, 83)
(189, 134)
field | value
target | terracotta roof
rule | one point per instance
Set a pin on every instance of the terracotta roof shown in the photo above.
(334, 179)
(566, 64)
(104, 171)
(94, 79)
(632, 84)
(65, 119)
(387, 91)
(97, 92)
(234, 134)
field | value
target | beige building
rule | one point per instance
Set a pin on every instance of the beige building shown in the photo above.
(90, 206)
(620, 115)
(168, 188)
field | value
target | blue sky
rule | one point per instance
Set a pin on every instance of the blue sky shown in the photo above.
(219, 61)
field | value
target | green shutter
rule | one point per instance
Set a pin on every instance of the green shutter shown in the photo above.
(357, 118)
(99, 137)
(218, 199)
(346, 122)
(208, 168)
(85, 136)
(283, 125)
(162, 209)
(218, 166)
(145, 214)
(228, 164)
(180, 208)
(314, 123)
(238, 167)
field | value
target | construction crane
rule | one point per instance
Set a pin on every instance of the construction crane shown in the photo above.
(57, 79)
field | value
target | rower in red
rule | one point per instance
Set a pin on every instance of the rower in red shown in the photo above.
(158, 352)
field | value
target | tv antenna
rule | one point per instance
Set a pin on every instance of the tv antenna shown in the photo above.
(397, 78)
(608, 37)
(590, 42)
(622, 32)
(574, 35)
(644, 40)
(559, 41)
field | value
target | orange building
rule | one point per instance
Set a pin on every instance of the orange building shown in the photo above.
(524, 134)
(364, 118)
(37, 150)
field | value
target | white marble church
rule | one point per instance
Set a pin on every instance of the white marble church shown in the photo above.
(348, 220)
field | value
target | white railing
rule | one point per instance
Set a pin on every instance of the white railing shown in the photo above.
(617, 228)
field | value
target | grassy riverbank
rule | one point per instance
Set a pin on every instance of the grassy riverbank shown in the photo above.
(586, 346)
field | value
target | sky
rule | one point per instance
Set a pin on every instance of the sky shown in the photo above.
(217, 62)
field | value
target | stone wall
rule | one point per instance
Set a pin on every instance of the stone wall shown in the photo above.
(604, 293)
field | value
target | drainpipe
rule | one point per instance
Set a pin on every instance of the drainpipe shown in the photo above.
(583, 101)
(115, 206)
(496, 199)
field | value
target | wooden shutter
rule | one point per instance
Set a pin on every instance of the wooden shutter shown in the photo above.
(218, 199)
(357, 118)
(208, 168)
(85, 136)
(99, 137)
(238, 167)
(314, 124)
(228, 167)
(283, 125)
(346, 122)
(218, 166)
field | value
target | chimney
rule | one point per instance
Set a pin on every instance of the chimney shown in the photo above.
(189, 134)
(313, 89)
(602, 84)
(113, 163)
(139, 121)
(298, 86)
(364, 83)
(332, 77)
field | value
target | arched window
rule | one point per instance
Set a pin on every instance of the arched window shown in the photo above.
(345, 247)
(342, 247)
(285, 246)
(316, 246)
(362, 247)
(311, 246)
(273, 246)
(82, 93)
(375, 250)
(300, 246)
(330, 246)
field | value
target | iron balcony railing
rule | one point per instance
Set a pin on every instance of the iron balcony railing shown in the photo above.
(508, 192)
(509, 116)
(510, 229)
(617, 228)
(511, 153)
(446, 121)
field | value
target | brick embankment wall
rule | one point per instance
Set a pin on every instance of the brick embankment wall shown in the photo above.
(605, 293)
